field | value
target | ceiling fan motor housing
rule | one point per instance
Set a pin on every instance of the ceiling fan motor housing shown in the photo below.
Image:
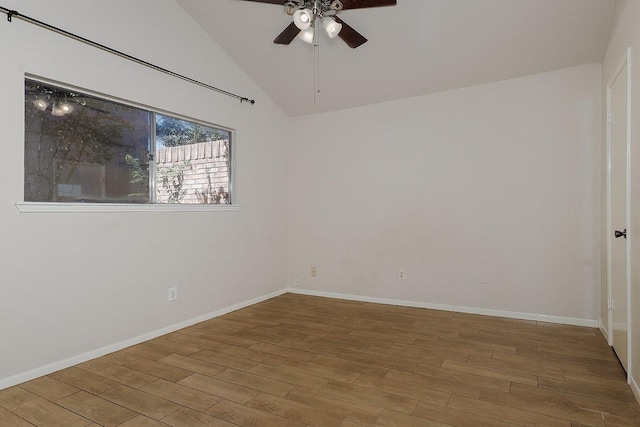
(319, 6)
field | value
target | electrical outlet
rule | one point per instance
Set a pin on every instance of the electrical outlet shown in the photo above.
(314, 272)
(296, 281)
(173, 293)
(401, 275)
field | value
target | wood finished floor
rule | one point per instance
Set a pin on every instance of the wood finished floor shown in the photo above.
(306, 361)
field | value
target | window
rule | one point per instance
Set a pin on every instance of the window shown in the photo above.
(84, 149)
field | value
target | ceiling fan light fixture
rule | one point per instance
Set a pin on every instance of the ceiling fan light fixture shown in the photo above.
(40, 104)
(303, 18)
(331, 27)
(61, 109)
(306, 35)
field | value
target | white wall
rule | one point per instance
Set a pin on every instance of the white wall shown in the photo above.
(73, 284)
(487, 197)
(625, 33)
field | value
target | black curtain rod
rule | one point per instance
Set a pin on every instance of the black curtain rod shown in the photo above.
(15, 14)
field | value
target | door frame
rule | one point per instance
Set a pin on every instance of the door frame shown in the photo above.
(610, 228)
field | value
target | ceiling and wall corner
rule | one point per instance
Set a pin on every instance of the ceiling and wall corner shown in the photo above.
(415, 48)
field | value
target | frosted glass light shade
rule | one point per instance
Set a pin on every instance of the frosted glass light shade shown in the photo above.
(40, 104)
(331, 27)
(302, 18)
(61, 109)
(306, 35)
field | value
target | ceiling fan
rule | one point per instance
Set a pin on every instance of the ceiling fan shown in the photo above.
(307, 12)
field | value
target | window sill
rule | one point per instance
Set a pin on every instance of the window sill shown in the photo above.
(52, 207)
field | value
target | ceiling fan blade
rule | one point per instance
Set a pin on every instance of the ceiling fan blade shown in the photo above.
(288, 34)
(349, 35)
(361, 4)
(279, 2)
(348, 4)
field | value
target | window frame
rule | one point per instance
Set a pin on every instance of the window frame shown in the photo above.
(75, 207)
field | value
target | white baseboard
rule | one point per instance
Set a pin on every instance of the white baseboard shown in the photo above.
(604, 330)
(634, 387)
(66, 363)
(470, 310)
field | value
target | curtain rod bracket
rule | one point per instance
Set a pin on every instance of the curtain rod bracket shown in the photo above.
(250, 101)
(11, 13)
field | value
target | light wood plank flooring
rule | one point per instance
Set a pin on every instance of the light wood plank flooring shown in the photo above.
(306, 361)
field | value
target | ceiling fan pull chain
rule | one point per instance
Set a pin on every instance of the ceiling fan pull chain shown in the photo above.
(316, 66)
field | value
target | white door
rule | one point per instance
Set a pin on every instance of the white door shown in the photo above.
(617, 121)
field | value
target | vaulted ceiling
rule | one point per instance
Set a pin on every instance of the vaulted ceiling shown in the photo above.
(416, 47)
